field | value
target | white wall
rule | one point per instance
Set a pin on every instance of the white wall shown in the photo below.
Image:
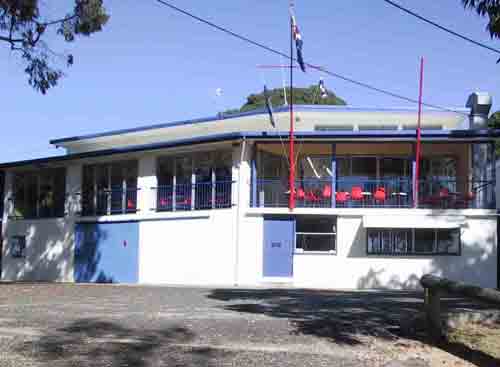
(352, 268)
(49, 251)
(49, 242)
(195, 249)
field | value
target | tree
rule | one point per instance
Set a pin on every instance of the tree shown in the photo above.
(487, 8)
(24, 28)
(310, 96)
(494, 123)
(494, 120)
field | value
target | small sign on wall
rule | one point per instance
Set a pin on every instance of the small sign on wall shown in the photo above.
(18, 246)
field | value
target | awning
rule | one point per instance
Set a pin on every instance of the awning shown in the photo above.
(412, 221)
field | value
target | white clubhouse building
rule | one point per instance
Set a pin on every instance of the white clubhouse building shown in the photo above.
(204, 202)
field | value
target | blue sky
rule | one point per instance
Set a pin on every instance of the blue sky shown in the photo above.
(152, 65)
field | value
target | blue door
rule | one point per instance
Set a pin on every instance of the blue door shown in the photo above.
(278, 247)
(107, 253)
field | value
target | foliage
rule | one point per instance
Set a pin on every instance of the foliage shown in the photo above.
(24, 27)
(487, 8)
(494, 123)
(494, 120)
(309, 96)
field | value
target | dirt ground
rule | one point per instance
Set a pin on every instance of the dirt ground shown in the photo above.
(107, 325)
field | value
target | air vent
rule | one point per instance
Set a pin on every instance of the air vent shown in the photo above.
(377, 127)
(333, 128)
(424, 127)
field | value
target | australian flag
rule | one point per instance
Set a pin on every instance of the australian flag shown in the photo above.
(269, 106)
(298, 43)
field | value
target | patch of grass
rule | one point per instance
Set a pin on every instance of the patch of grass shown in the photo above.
(480, 337)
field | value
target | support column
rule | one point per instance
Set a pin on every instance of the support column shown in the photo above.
(480, 161)
(334, 174)
(414, 184)
(254, 199)
(74, 190)
(146, 180)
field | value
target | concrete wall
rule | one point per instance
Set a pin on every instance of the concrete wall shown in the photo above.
(352, 268)
(191, 250)
(49, 251)
(49, 242)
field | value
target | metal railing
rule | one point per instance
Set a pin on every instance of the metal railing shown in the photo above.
(376, 193)
(349, 193)
(199, 196)
(109, 202)
(456, 194)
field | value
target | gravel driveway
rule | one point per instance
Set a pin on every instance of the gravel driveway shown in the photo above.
(106, 325)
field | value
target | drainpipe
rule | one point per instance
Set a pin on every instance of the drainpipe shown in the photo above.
(238, 215)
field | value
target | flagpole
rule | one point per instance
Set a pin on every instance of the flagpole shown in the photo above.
(291, 178)
(418, 148)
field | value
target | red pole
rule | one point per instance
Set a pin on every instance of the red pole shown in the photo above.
(291, 178)
(418, 148)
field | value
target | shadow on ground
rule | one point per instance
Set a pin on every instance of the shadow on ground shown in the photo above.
(348, 318)
(94, 342)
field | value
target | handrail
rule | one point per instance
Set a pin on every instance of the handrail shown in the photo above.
(434, 286)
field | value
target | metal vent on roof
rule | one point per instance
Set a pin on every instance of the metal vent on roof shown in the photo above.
(424, 127)
(333, 127)
(377, 127)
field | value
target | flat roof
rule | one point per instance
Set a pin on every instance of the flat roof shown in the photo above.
(334, 136)
(261, 111)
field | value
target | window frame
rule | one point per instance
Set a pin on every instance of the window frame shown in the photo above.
(106, 171)
(33, 203)
(333, 234)
(204, 192)
(414, 253)
(20, 252)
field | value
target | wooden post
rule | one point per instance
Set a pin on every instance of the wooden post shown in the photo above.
(433, 313)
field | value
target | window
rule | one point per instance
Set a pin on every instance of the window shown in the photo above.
(420, 241)
(212, 173)
(316, 234)
(109, 188)
(40, 194)
(18, 246)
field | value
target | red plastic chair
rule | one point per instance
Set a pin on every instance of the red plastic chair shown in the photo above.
(130, 204)
(301, 194)
(444, 193)
(356, 193)
(341, 197)
(327, 192)
(311, 197)
(379, 195)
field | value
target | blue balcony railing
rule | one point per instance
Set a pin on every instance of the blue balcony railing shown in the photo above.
(199, 196)
(375, 193)
(109, 202)
(456, 194)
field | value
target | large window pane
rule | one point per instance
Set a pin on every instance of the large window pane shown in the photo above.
(364, 168)
(110, 188)
(424, 240)
(448, 241)
(311, 167)
(316, 234)
(419, 241)
(394, 168)
(40, 194)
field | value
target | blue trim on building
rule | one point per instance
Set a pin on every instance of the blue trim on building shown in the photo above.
(261, 111)
(400, 135)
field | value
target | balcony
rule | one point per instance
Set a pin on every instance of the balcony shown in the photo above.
(381, 193)
(198, 196)
(110, 202)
